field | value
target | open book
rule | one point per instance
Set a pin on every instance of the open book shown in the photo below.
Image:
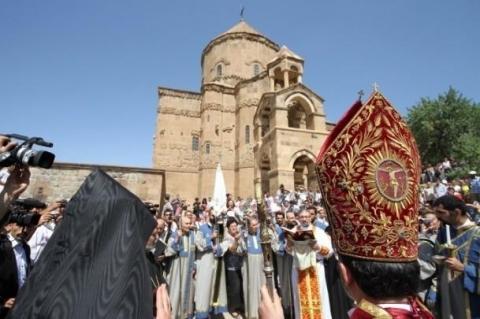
(298, 235)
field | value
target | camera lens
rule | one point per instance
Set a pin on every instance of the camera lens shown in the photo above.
(28, 156)
(24, 218)
(42, 159)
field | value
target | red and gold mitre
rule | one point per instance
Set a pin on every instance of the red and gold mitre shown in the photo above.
(369, 171)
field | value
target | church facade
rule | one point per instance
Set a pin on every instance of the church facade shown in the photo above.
(253, 115)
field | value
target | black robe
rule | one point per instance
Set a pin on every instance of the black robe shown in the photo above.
(94, 265)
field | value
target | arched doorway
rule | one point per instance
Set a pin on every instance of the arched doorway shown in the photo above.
(304, 173)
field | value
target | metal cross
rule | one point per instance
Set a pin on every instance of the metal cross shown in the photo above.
(241, 12)
(360, 94)
(375, 87)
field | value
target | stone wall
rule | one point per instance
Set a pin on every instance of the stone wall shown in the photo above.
(64, 179)
(178, 122)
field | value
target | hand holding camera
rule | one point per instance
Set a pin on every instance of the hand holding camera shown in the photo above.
(20, 157)
(12, 154)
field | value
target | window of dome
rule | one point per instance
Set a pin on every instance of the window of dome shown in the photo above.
(247, 134)
(256, 69)
(194, 143)
(219, 70)
(207, 148)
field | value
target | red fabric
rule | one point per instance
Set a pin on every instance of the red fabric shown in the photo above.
(339, 127)
(368, 171)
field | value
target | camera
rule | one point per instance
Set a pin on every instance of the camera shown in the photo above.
(23, 217)
(152, 208)
(24, 154)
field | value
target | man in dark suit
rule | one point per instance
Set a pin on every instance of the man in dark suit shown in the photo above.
(14, 265)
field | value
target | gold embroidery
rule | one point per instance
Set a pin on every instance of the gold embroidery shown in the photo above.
(370, 172)
(373, 310)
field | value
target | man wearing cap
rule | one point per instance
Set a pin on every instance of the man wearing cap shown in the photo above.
(369, 172)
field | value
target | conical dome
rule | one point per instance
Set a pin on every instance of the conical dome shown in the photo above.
(233, 55)
(242, 27)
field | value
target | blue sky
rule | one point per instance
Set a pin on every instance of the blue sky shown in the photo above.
(83, 74)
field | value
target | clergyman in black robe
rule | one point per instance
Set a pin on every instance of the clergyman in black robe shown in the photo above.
(94, 265)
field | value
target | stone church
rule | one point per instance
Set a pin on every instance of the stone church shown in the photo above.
(253, 115)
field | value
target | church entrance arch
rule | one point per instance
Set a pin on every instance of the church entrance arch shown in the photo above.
(304, 173)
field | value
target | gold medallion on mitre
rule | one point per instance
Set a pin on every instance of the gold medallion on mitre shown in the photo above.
(369, 170)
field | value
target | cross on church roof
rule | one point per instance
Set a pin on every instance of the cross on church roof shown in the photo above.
(241, 12)
(360, 94)
(375, 87)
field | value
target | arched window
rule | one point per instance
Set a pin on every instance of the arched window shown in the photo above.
(256, 69)
(296, 116)
(194, 143)
(219, 70)
(207, 148)
(247, 134)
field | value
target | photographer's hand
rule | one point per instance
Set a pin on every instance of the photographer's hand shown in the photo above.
(9, 303)
(17, 182)
(51, 208)
(6, 144)
(45, 218)
(15, 185)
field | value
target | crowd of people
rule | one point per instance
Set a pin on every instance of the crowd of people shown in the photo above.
(207, 255)
(212, 261)
(389, 248)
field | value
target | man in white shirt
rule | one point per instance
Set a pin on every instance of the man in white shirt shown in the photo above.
(42, 234)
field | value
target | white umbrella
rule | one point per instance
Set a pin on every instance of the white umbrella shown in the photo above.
(219, 199)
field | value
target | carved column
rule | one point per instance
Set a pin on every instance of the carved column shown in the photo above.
(285, 79)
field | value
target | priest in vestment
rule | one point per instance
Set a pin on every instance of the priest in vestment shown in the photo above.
(94, 264)
(458, 283)
(232, 250)
(206, 265)
(308, 274)
(369, 171)
(284, 264)
(254, 276)
(181, 247)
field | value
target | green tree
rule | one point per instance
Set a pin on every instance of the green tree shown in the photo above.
(448, 126)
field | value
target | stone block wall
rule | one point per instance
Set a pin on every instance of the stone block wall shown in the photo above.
(64, 179)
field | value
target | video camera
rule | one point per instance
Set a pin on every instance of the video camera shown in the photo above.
(24, 154)
(21, 212)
